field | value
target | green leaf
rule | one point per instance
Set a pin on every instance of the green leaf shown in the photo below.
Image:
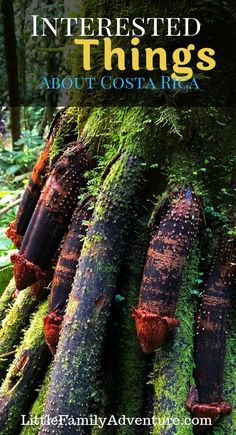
(13, 169)
(5, 242)
(5, 277)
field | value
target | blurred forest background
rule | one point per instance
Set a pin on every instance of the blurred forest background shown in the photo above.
(22, 129)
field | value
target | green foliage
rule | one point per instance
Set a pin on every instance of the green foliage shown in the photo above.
(5, 277)
(15, 168)
(169, 117)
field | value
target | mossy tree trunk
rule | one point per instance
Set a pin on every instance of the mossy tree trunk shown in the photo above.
(23, 375)
(7, 298)
(13, 326)
(80, 344)
(174, 363)
(228, 424)
(62, 131)
(36, 411)
(124, 364)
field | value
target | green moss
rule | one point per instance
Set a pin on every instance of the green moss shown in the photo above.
(174, 363)
(131, 362)
(228, 424)
(13, 326)
(7, 299)
(38, 407)
(68, 127)
(19, 396)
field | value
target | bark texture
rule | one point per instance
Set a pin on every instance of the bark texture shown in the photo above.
(18, 227)
(24, 374)
(124, 364)
(7, 298)
(13, 325)
(36, 411)
(205, 399)
(51, 216)
(174, 362)
(131, 374)
(227, 425)
(65, 272)
(166, 258)
(80, 344)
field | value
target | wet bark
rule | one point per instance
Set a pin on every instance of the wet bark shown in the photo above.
(166, 258)
(24, 374)
(80, 344)
(51, 216)
(227, 425)
(18, 227)
(174, 362)
(36, 411)
(65, 272)
(7, 298)
(13, 325)
(205, 399)
(124, 364)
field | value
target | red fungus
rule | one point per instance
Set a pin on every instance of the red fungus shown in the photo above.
(205, 399)
(50, 218)
(18, 227)
(52, 329)
(166, 258)
(65, 272)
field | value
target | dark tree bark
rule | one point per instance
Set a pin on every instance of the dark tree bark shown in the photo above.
(46, 119)
(24, 375)
(65, 272)
(12, 67)
(36, 410)
(51, 216)
(166, 258)
(18, 227)
(205, 399)
(174, 361)
(13, 325)
(124, 363)
(80, 344)
(227, 425)
(7, 298)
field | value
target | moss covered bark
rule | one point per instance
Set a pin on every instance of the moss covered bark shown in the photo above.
(51, 217)
(23, 375)
(7, 298)
(123, 362)
(131, 361)
(228, 424)
(58, 137)
(174, 363)
(37, 409)
(13, 326)
(67, 132)
(80, 345)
